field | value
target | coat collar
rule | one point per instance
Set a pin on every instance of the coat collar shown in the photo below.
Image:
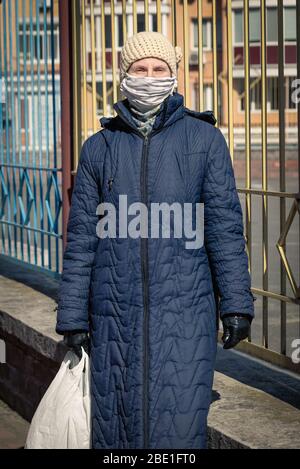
(172, 110)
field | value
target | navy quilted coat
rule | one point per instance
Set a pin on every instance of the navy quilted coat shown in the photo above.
(150, 304)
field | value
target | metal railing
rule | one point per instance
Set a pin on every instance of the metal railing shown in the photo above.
(109, 22)
(30, 172)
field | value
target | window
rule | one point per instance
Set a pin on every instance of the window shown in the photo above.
(22, 113)
(272, 96)
(37, 44)
(272, 93)
(140, 22)
(254, 25)
(290, 33)
(41, 108)
(238, 26)
(207, 96)
(154, 22)
(289, 90)
(272, 25)
(206, 33)
(6, 119)
(107, 31)
(118, 31)
(255, 93)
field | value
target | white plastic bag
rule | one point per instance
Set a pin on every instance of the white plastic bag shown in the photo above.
(63, 417)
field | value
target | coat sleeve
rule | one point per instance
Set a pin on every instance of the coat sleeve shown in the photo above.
(82, 241)
(223, 231)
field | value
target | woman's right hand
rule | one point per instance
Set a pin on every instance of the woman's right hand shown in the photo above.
(77, 339)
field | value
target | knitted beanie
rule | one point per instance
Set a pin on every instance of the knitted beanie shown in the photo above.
(149, 44)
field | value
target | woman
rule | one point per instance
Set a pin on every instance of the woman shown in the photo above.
(149, 304)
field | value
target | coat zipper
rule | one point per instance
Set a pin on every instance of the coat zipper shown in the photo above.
(144, 266)
(145, 278)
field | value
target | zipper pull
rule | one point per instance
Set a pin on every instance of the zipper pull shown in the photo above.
(110, 181)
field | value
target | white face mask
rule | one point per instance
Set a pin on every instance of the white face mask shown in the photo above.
(145, 93)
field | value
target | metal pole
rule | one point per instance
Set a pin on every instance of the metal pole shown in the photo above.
(66, 109)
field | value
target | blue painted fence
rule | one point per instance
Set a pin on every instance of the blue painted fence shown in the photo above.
(30, 156)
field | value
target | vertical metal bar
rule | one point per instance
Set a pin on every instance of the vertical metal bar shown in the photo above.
(186, 54)
(248, 217)
(173, 23)
(230, 80)
(103, 55)
(94, 104)
(77, 77)
(215, 62)
(77, 131)
(84, 82)
(2, 93)
(13, 125)
(39, 125)
(264, 171)
(2, 136)
(200, 55)
(146, 9)
(282, 185)
(134, 14)
(298, 115)
(66, 109)
(247, 125)
(26, 106)
(25, 87)
(113, 51)
(158, 15)
(8, 137)
(18, 79)
(33, 46)
(48, 179)
(124, 21)
(47, 156)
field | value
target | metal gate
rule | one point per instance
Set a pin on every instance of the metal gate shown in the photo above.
(30, 166)
(241, 59)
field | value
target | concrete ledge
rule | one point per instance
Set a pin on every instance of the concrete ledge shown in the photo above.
(13, 429)
(264, 413)
(251, 417)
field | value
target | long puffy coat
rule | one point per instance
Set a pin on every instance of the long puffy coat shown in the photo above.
(150, 304)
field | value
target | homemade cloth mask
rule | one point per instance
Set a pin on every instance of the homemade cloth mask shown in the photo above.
(145, 93)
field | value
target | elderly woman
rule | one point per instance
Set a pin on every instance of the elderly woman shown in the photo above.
(146, 307)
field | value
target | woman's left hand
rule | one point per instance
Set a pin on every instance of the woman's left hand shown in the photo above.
(236, 327)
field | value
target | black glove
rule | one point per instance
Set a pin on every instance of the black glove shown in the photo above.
(236, 327)
(77, 339)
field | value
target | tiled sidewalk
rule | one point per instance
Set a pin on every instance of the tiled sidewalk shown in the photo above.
(13, 428)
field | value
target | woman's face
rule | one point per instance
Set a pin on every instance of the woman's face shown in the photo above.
(149, 67)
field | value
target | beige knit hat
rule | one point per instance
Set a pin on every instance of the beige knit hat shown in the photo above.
(149, 44)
